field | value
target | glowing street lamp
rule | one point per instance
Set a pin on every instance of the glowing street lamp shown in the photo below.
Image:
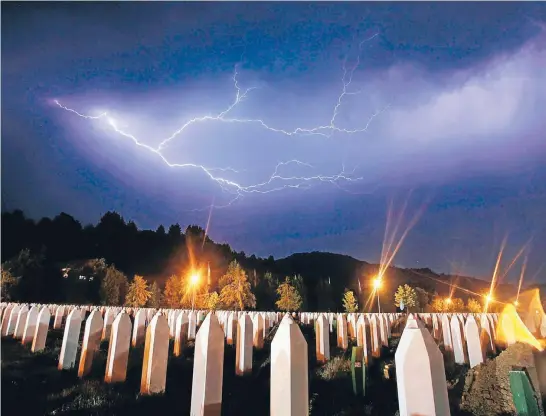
(194, 279)
(376, 286)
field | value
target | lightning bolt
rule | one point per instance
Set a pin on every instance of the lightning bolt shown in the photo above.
(236, 189)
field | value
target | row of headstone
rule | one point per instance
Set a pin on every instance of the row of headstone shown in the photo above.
(30, 325)
(370, 330)
(466, 338)
(417, 353)
(465, 344)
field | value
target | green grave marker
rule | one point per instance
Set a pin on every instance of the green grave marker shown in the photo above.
(358, 371)
(523, 394)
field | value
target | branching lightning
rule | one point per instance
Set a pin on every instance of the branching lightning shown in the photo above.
(276, 181)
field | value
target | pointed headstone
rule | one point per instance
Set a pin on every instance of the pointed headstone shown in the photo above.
(69, 348)
(322, 334)
(364, 338)
(486, 335)
(289, 371)
(208, 369)
(231, 329)
(180, 334)
(42, 327)
(476, 354)
(192, 325)
(109, 316)
(417, 353)
(118, 350)
(59, 315)
(20, 322)
(342, 336)
(11, 321)
(243, 357)
(258, 330)
(436, 327)
(30, 325)
(351, 325)
(459, 343)
(156, 351)
(383, 331)
(139, 328)
(91, 342)
(5, 318)
(375, 335)
(446, 336)
(267, 324)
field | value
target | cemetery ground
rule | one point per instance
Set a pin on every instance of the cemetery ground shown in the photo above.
(32, 384)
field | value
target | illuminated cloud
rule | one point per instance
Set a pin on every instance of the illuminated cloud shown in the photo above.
(269, 137)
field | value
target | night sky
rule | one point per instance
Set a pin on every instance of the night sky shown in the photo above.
(443, 105)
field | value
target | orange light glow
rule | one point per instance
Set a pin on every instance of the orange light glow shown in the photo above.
(194, 279)
(377, 283)
(511, 329)
(530, 309)
(448, 301)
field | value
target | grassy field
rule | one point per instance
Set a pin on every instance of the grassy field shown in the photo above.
(31, 384)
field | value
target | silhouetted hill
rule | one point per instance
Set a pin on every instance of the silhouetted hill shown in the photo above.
(320, 265)
(345, 271)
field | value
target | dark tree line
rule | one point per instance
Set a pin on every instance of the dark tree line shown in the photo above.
(39, 253)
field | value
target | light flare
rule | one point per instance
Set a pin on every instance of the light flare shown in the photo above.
(520, 280)
(207, 226)
(452, 286)
(496, 270)
(495, 280)
(515, 259)
(388, 254)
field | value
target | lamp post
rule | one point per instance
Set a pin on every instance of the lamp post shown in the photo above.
(377, 286)
(194, 281)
